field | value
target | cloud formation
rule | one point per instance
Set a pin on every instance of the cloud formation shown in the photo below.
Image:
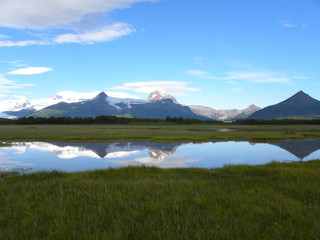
(237, 89)
(200, 74)
(7, 85)
(106, 34)
(252, 76)
(198, 60)
(20, 43)
(84, 20)
(2, 36)
(172, 87)
(287, 24)
(39, 14)
(258, 77)
(122, 95)
(30, 71)
(16, 63)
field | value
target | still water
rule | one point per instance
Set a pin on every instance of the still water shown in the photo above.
(71, 157)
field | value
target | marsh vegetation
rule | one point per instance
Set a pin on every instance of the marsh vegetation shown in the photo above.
(161, 132)
(274, 201)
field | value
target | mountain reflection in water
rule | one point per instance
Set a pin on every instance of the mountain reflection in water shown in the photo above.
(300, 149)
(88, 156)
(98, 150)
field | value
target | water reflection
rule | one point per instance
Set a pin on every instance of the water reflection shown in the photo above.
(156, 151)
(88, 156)
(300, 149)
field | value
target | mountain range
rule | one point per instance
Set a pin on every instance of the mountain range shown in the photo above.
(159, 104)
(223, 115)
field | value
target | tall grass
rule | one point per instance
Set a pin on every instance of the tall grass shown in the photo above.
(156, 132)
(275, 201)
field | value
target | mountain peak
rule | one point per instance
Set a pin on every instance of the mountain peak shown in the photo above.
(300, 93)
(301, 97)
(300, 105)
(160, 94)
(252, 106)
(101, 95)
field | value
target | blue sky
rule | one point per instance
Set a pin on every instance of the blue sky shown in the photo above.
(221, 54)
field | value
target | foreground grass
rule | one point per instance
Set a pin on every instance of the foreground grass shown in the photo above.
(275, 201)
(157, 132)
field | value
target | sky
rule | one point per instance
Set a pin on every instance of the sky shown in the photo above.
(221, 54)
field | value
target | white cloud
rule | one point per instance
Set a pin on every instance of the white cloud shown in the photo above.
(30, 71)
(2, 36)
(252, 76)
(200, 74)
(16, 63)
(20, 43)
(237, 89)
(39, 14)
(288, 25)
(198, 60)
(107, 33)
(7, 85)
(232, 82)
(122, 95)
(83, 20)
(258, 77)
(300, 77)
(172, 87)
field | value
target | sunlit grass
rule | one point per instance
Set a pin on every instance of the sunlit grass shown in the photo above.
(275, 201)
(156, 132)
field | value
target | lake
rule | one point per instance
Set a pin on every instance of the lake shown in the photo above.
(72, 157)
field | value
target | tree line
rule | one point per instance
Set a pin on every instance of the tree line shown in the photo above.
(285, 121)
(101, 120)
(173, 120)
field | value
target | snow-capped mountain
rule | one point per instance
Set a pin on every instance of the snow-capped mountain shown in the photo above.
(23, 107)
(102, 104)
(160, 94)
(63, 96)
(16, 108)
(159, 104)
(15, 105)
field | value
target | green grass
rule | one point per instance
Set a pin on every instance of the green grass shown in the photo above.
(274, 201)
(156, 132)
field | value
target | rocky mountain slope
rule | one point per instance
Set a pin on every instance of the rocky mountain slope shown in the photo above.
(224, 114)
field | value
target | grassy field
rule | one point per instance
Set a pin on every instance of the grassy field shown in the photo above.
(157, 132)
(275, 201)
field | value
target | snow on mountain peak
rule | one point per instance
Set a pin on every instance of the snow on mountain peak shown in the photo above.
(15, 105)
(160, 94)
(117, 99)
